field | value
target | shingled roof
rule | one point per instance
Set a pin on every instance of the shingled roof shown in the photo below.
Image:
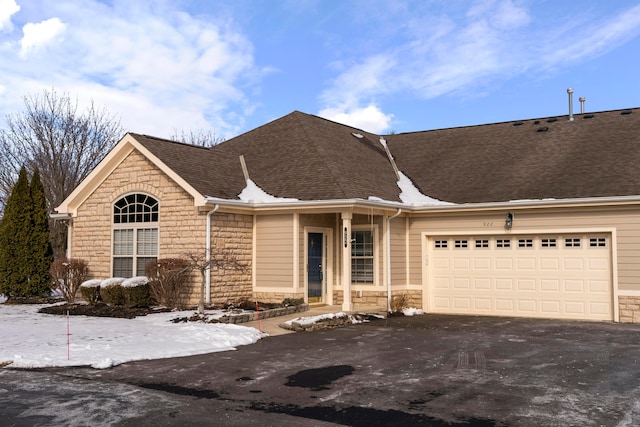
(310, 158)
(594, 155)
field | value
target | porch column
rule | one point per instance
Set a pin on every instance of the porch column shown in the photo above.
(346, 261)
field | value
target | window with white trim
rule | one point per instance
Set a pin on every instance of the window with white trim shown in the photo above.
(362, 256)
(135, 234)
(525, 243)
(597, 242)
(462, 243)
(548, 242)
(440, 244)
(503, 243)
(572, 242)
(482, 243)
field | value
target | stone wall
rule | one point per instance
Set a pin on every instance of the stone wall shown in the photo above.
(276, 297)
(378, 298)
(231, 239)
(629, 309)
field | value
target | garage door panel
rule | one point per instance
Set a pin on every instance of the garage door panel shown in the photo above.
(482, 263)
(534, 276)
(547, 285)
(526, 284)
(526, 263)
(504, 263)
(576, 264)
(575, 307)
(504, 305)
(483, 283)
(551, 308)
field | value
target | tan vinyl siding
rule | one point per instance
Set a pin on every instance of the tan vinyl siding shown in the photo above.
(274, 249)
(624, 220)
(398, 253)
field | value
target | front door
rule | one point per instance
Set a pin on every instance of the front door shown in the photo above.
(315, 267)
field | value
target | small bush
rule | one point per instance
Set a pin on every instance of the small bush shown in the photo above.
(399, 303)
(90, 291)
(137, 292)
(67, 275)
(168, 280)
(112, 292)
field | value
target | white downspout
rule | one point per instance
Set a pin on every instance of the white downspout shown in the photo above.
(389, 259)
(208, 253)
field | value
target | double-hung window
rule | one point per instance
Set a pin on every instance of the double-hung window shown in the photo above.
(362, 256)
(135, 234)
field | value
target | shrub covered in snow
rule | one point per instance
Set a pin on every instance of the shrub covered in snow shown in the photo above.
(67, 275)
(90, 291)
(168, 281)
(112, 292)
(137, 292)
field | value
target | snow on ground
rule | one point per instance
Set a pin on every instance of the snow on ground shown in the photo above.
(29, 339)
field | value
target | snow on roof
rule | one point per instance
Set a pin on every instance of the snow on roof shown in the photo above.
(410, 195)
(254, 194)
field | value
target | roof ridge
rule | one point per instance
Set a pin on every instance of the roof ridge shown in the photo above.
(532, 119)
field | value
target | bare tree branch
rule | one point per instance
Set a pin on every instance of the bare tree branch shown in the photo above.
(65, 144)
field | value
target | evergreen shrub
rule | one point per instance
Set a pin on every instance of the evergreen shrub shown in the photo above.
(137, 292)
(112, 292)
(90, 291)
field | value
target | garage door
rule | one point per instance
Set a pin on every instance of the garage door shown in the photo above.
(556, 276)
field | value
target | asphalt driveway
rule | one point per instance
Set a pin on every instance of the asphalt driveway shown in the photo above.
(424, 370)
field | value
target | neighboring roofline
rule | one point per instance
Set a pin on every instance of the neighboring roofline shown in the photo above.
(108, 164)
(393, 206)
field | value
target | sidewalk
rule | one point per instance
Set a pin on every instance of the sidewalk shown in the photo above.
(270, 325)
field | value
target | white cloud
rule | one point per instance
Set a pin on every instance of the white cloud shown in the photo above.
(41, 34)
(437, 52)
(8, 8)
(160, 69)
(370, 118)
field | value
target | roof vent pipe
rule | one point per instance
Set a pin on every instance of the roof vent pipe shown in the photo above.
(570, 92)
(582, 99)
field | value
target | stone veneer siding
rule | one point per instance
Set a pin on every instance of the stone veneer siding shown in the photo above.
(276, 297)
(378, 298)
(629, 309)
(181, 228)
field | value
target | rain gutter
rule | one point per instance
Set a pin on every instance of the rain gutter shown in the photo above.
(389, 258)
(208, 253)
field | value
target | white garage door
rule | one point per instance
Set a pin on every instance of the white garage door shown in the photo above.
(556, 276)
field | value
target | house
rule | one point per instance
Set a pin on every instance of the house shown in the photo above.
(533, 218)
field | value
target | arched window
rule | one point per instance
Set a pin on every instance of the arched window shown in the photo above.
(135, 234)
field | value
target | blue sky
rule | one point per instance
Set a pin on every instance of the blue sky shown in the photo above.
(380, 65)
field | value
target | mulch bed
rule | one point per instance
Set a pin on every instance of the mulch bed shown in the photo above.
(101, 310)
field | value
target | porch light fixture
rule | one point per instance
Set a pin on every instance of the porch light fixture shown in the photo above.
(508, 222)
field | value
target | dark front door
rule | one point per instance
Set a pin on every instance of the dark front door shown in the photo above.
(315, 277)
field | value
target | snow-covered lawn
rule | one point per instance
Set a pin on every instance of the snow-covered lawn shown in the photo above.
(29, 339)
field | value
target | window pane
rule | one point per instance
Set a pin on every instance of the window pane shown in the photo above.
(362, 270)
(141, 263)
(362, 244)
(147, 241)
(122, 242)
(122, 267)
